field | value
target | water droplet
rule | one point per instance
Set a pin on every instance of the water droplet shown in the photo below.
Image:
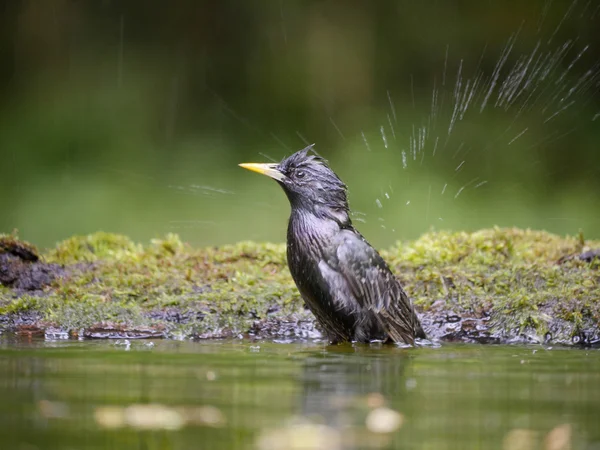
(382, 131)
(365, 141)
(378, 203)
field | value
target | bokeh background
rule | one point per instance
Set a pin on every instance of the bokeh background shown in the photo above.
(131, 116)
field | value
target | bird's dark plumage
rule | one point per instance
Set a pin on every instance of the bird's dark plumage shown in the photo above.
(343, 280)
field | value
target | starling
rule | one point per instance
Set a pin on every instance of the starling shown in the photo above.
(343, 280)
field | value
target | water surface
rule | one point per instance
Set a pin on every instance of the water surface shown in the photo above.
(241, 394)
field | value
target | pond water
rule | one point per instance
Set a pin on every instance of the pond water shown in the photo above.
(268, 395)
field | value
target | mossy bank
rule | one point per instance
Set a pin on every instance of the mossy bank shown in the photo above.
(496, 285)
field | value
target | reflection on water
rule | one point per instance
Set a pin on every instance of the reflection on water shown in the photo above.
(238, 394)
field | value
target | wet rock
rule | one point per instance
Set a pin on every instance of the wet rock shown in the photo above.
(14, 321)
(22, 269)
(218, 333)
(590, 255)
(30, 331)
(117, 331)
(55, 334)
(273, 309)
(587, 256)
(454, 327)
(177, 315)
(289, 327)
(20, 249)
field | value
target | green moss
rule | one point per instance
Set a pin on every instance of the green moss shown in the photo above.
(24, 303)
(92, 248)
(513, 276)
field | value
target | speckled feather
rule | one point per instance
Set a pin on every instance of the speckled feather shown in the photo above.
(343, 280)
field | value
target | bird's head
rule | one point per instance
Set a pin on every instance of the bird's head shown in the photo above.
(309, 183)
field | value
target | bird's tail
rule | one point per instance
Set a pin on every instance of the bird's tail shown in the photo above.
(400, 320)
(419, 331)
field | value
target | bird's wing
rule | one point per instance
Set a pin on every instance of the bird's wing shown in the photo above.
(353, 268)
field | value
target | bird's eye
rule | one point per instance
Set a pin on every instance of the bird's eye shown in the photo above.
(300, 174)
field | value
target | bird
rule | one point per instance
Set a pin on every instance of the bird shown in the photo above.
(342, 279)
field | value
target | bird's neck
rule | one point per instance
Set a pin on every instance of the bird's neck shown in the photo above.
(313, 231)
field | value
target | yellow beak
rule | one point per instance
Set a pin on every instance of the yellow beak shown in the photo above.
(269, 170)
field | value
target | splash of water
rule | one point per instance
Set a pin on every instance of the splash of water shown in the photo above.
(365, 141)
(382, 131)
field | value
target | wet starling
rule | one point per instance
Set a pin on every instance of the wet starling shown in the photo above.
(343, 280)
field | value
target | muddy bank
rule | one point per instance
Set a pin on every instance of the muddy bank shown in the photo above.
(490, 286)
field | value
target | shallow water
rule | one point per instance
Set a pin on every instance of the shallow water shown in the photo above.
(241, 394)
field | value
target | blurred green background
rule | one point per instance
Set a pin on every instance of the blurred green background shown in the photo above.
(131, 116)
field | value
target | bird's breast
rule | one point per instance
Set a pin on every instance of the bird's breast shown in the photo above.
(308, 239)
